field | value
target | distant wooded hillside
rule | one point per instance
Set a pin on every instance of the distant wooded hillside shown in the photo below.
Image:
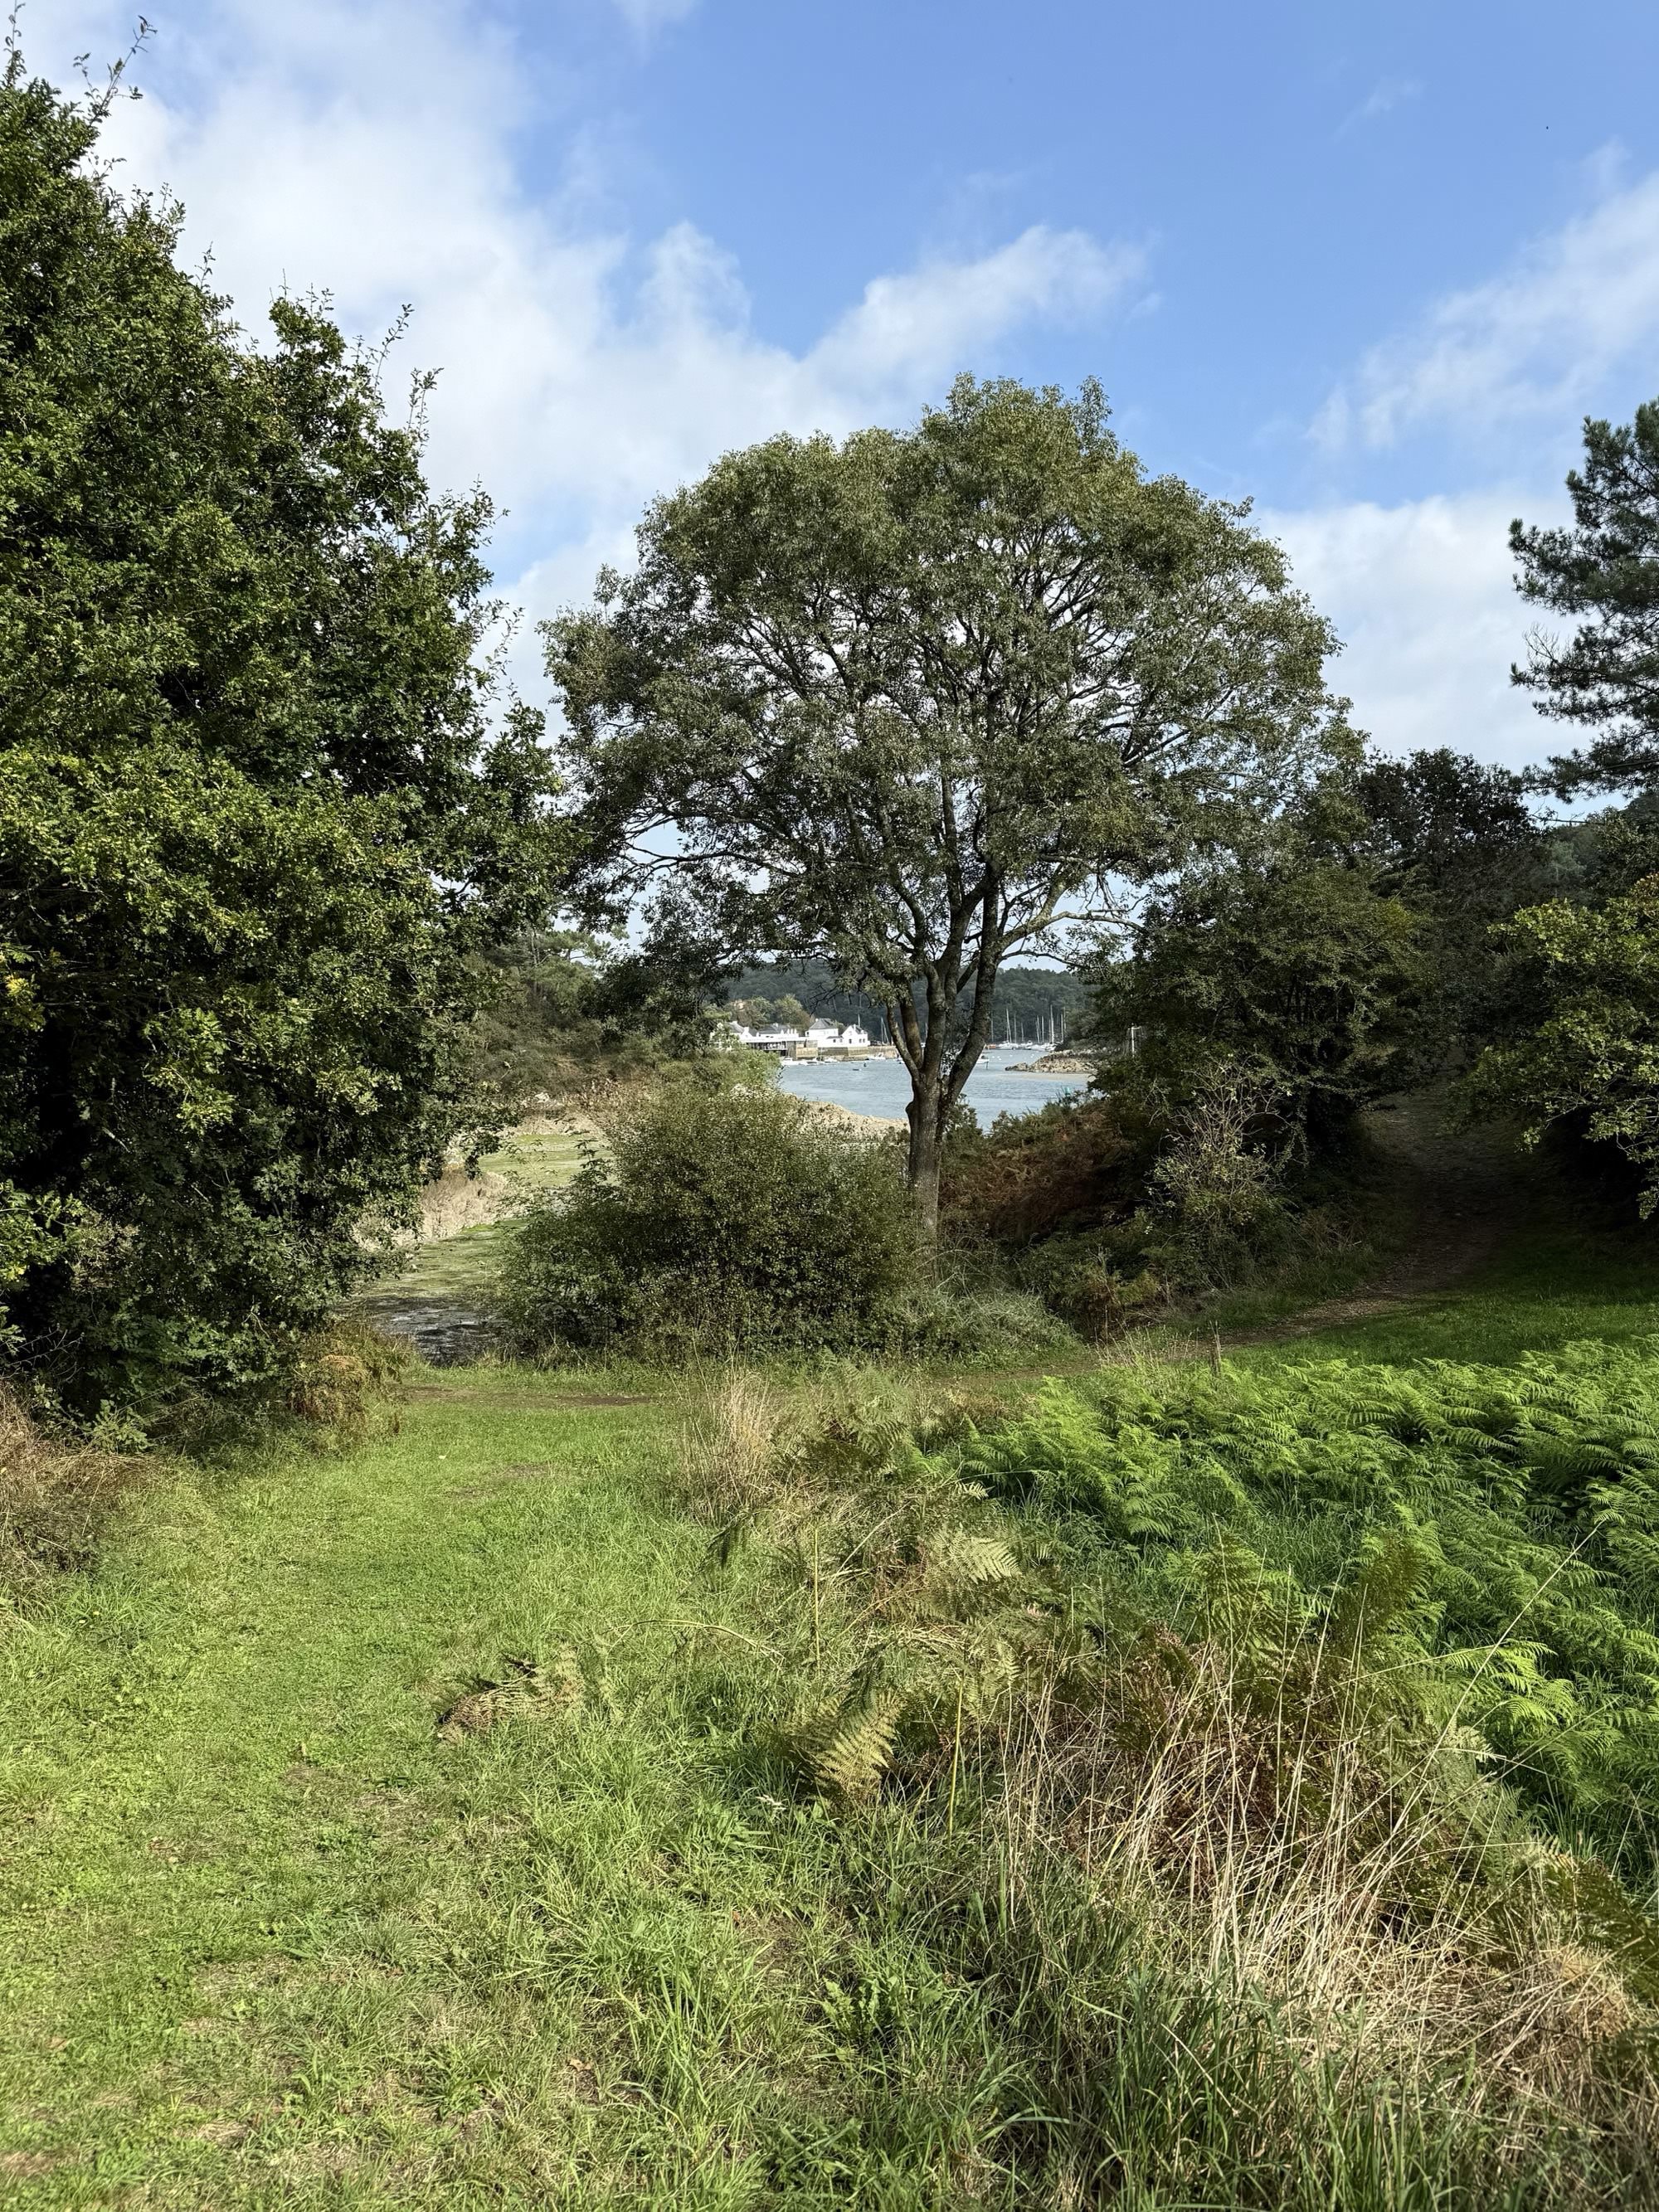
(1031, 1004)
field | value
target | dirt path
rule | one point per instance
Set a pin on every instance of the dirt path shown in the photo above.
(1464, 1191)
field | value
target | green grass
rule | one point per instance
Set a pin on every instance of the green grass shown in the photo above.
(1551, 1284)
(463, 1267)
(269, 1940)
(542, 1159)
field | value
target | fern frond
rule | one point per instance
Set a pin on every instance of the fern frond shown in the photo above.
(852, 1753)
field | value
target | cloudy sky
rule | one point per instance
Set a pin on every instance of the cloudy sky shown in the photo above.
(1367, 265)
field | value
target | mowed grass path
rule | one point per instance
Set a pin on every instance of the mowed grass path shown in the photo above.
(267, 1938)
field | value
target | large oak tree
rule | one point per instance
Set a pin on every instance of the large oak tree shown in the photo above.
(913, 702)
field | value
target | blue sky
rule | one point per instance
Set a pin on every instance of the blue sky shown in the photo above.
(1368, 266)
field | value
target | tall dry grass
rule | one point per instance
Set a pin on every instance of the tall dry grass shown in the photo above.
(1379, 1903)
(56, 1496)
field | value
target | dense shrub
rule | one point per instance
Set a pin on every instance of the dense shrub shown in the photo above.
(1216, 1212)
(1074, 1163)
(258, 819)
(972, 1326)
(718, 1220)
(1098, 1281)
(1107, 1207)
(1292, 955)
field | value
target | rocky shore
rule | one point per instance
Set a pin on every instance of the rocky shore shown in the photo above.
(1057, 1063)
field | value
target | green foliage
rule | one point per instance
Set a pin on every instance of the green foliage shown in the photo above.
(1288, 955)
(56, 1496)
(1027, 1003)
(787, 1012)
(968, 1322)
(1106, 1207)
(1074, 1163)
(1603, 574)
(1510, 1515)
(718, 1220)
(1216, 1212)
(1227, 1845)
(525, 1040)
(569, 1016)
(1454, 840)
(256, 825)
(905, 701)
(1608, 853)
(1443, 825)
(1593, 1050)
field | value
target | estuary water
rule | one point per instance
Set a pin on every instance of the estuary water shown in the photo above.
(881, 1086)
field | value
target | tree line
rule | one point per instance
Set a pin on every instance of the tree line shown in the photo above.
(1027, 1003)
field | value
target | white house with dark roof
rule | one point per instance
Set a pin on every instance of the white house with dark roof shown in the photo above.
(793, 1044)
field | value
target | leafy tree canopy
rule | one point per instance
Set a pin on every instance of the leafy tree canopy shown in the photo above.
(911, 702)
(1592, 1051)
(1604, 573)
(259, 819)
(1456, 840)
(1287, 957)
(1445, 829)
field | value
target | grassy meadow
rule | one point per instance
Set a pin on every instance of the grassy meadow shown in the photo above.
(427, 1824)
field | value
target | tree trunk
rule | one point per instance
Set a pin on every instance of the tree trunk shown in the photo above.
(922, 1114)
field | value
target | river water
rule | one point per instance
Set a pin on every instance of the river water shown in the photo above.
(883, 1087)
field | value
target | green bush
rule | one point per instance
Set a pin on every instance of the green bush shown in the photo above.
(259, 820)
(719, 1221)
(1098, 1281)
(975, 1327)
(1216, 1214)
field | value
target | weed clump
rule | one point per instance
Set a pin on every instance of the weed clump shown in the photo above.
(342, 1376)
(56, 1496)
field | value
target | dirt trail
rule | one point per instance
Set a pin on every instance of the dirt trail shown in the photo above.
(1465, 1192)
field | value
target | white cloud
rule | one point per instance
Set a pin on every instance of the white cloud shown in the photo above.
(645, 18)
(368, 150)
(1423, 596)
(918, 327)
(1383, 98)
(1537, 340)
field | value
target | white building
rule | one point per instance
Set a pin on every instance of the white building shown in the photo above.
(818, 1036)
(845, 1034)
